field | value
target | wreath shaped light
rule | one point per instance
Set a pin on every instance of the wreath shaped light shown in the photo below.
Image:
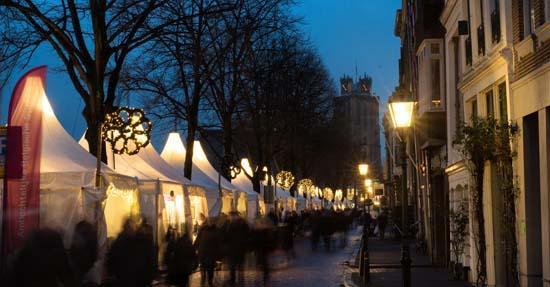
(338, 195)
(328, 194)
(234, 171)
(285, 179)
(306, 188)
(127, 130)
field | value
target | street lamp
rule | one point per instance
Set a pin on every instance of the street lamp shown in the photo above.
(363, 169)
(401, 114)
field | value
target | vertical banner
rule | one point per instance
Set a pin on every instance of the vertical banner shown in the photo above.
(22, 175)
(3, 149)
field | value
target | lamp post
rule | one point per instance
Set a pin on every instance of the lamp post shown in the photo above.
(363, 171)
(401, 115)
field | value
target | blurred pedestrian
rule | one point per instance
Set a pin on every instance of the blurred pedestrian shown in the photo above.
(236, 235)
(207, 245)
(131, 259)
(83, 251)
(382, 221)
(181, 259)
(42, 262)
(264, 244)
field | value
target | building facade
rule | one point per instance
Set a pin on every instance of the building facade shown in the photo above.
(530, 105)
(494, 61)
(358, 111)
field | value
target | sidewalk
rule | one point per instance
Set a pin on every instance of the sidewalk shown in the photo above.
(388, 252)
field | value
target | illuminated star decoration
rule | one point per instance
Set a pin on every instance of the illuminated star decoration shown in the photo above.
(127, 130)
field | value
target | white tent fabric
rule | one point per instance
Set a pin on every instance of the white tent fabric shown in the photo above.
(242, 182)
(67, 179)
(200, 158)
(163, 198)
(174, 154)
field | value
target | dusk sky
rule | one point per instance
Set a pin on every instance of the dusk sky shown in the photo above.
(347, 34)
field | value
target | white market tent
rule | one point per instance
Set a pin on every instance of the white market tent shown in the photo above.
(300, 203)
(67, 179)
(163, 194)
(246, 200)
(161, 191)
(174, 154)
(283, 196)
(242, 182)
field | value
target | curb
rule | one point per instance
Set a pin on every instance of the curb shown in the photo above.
(347, 280)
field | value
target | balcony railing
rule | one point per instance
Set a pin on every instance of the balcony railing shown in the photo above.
(468, 44)
(481, 40)
(495, 26)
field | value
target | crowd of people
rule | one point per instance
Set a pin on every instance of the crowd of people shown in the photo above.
(228, 242)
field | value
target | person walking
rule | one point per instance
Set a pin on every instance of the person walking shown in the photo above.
(83, 251)
(181, 260)
(131, 261)
(236, 234)
(42, 262)
(208, 248)
(382, 222)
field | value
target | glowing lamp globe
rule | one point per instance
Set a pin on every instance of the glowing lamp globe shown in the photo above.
(368, 182)
(401, 114)
(363, 169)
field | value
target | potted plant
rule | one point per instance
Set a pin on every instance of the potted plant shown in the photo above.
(458, 223)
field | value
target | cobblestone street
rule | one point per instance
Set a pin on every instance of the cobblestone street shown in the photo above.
(310, 268)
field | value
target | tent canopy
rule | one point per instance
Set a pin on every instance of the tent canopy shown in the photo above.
(174, 154)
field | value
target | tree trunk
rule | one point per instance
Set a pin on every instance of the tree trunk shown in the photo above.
(191, 131)
(227, 146)
(256, 183)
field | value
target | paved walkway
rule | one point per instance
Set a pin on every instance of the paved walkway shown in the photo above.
(310, 268)
(388, 251)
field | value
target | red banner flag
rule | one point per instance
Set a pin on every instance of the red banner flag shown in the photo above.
(22, 182)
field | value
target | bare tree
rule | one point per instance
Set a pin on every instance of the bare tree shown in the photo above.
(236, 33)
(171, 75)
(93, 40)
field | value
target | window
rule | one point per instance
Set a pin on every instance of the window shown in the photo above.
(436, 85)
(490, 104)
(468, 50)
(534, 15)
(434, 48)
(495, 21)
(502, 102)
(481, 31)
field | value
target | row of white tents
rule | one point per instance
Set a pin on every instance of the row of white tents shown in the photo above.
(148, 184)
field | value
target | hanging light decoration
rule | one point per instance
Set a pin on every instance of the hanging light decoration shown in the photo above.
(350, 193)
(328, 194)
(127, 130)
(338, 195)
(234, 171)
(285, 179)
(306, 188)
